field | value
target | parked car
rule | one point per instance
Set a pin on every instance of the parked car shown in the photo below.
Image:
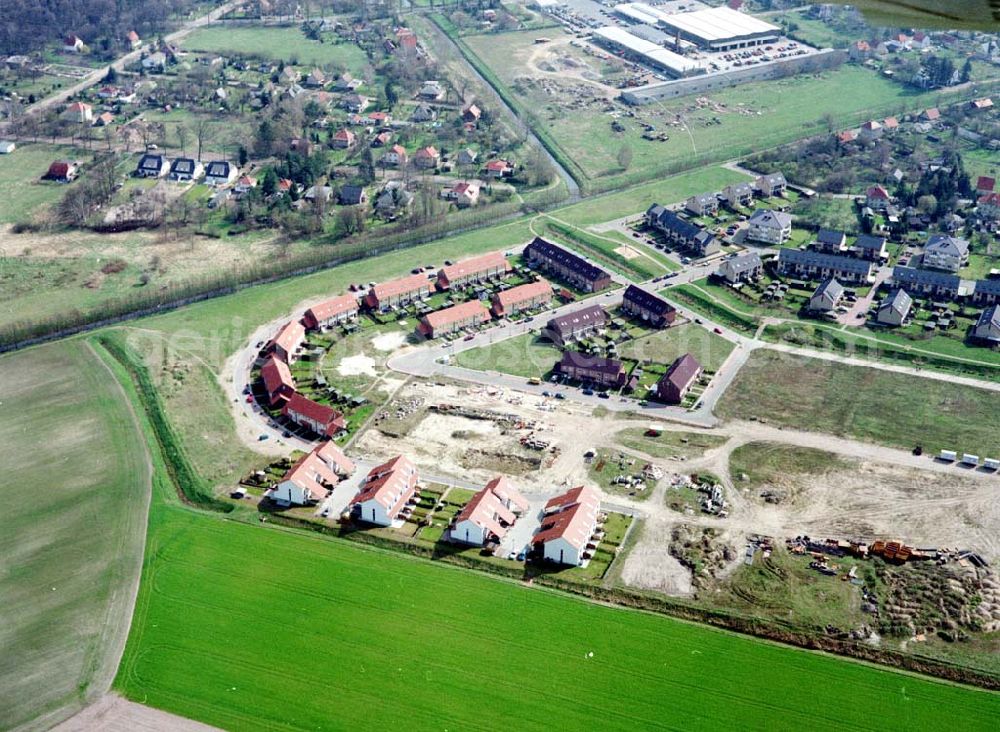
(588, 392)
(717, 330)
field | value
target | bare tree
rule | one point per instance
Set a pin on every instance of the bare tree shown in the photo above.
(203, 133)
(183, 134)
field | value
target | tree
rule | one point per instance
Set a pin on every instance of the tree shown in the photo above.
(264, 142)
(269, 183)
(391, 97)
(624, 157)
(966, 71)
(366, 167)
(203, 133)
(242, 155)
(927, 203)
(183, 134)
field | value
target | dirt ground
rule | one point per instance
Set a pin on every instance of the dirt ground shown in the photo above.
(112, 713)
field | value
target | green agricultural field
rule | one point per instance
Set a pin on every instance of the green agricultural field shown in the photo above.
(347, 628)
(525, 355)
(75, 490)
(866, 403)
(23, 193)
(665, 346)
(280, 44)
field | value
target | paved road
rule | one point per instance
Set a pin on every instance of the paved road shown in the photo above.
(122, 61)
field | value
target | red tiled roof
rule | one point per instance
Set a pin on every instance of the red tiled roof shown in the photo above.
(877, 192)
(330, 309)
(403, 285)
(473, 266)
(932, 113)
(990, 199)
(328, 418)
(580, 494)
(290, 336)
(276, 376)
(522, 293)
(59, 169)
(455, 314)
(500, 165)
(331, 454)
(398, 477)
(985, 183)
(427, 152)
(308, 473)
(573, 519)
(487, 510)
(507, 493)
(891, 123)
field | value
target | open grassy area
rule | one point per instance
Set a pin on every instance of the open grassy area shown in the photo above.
(665, 346)
(526, 355)
(349, 628)
(668, 444)
(281, 44)
(74, 490)
(866, 403)
(22, 190)
(768, 463)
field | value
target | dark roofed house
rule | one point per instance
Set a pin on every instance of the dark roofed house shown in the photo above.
(926, 283)
(773, 184)
(184, 169)
(605, 372)
(987, 328)
(578, 324)
(352, 196)
(681, 232)
(680, 377)
(830, 241)
(703, 204)
(827, 296)
(894, 309)
(987, 292)
(219, 173)
(769, 227)
(650, 308)
(566, 265)
(151, 166)
(818, 266)
(870, 247)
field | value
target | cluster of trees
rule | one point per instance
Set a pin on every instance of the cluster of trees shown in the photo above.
(934, 72)
(937, 191)
(30, 25)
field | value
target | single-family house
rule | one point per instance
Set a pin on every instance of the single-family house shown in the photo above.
(351, 195)
(392, 198)
(152, 165)
(307, 482)
(79, 112)
(948, 253)
(455, 318)
(346, 83)
(388, 490)
(463, 193)
(156, 61)
(871, 130)
(316, 79)
(769, 227)
(356, 103)
(471, 114)
(931, 115)
(567, 531)
(394, 156)
(467, 156)
(343, 138)
(489, 514)
(330, 453)
(381, 139)
(244, 184)
(894, 308)
(978, 105)
(431, 91)
(72, 43)
(985, 185)
(988, 206)
(870, 247)
(104, 119)
(132, 40)
(220, 173)
(499, 168)
(877, 198)
(63, 171)
(508, 303)
(565, 329)
(830, 241)
(184, 169)
(427, 157)
(423, 113)
(336, 310)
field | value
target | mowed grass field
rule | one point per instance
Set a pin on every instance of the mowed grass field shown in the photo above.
(280, 44)
(894, 409)
(22, 190)
(526, 355)
(74, 491)
(665, 346)
(251, 628)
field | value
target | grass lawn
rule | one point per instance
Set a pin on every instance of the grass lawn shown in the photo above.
(243, 603)
(856, 401)
(525, 355)
(74, 495)
(280, 44)
(665, 346)
(22, 190)
(767, 463)
(668, 444)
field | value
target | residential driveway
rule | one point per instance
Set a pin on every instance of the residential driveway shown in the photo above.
(524, 528)
(861, 307)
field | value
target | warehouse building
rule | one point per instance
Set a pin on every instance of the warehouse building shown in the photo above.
(646, 52)
(720, 29)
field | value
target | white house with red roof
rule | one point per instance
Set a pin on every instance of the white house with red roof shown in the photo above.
(386, 493)
(321, 419)
(463, 194)
(877, 198)
(343, 139)
(568, 528)
(334, 311)
(79, 112)
(73, 44)
(427, 157)
(989, 206)
(499, 168)
(985, 185)
(310, 480)
(395, 155)
(489, 514)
